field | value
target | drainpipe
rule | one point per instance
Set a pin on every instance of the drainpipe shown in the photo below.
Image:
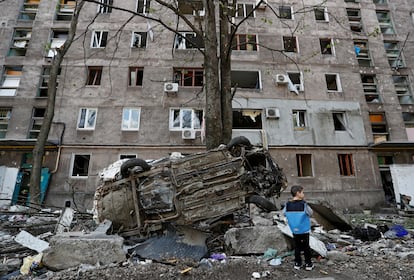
(59, 147)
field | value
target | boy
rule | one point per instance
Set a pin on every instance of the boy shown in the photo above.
(298, 214)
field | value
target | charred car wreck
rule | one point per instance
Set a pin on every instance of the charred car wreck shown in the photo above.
(142, 197)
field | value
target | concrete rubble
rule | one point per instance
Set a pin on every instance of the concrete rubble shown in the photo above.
(85, 244)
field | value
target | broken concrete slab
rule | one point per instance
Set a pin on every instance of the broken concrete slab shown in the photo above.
(255, 240)
(65, 220)
(74, 248)
(27, 240)
(328, 217)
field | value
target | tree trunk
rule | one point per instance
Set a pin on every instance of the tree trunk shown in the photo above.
(212, 114)
(225, 74)
(39, 148)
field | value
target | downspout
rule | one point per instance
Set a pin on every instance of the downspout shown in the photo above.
(59, 147)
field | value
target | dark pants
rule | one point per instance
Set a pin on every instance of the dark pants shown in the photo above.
(302, 244)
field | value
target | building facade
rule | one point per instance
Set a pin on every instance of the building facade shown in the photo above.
(326, 86)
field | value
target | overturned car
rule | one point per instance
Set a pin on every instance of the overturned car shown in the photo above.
(197, 190)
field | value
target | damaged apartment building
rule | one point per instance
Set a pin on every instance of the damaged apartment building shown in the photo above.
(325, 86)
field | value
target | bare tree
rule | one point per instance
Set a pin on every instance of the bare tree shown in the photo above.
(38, 150)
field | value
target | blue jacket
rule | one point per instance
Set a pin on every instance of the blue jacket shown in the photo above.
(298, 215)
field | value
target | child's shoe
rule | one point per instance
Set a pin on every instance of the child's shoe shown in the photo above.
(309, 266)
(297, 266)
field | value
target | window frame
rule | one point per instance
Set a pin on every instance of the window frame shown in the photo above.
(257, 75)
(105, 9)
(142, 40)
(355, 21)
(290, 13)
(336, 117)
(5, 115)
(245, 9)
(323, 47)
(362, 53)
(370, 88)
(99, 39)
(36, 122)
(181, 42)
(72, 165)
(379, 127)
(301, 160)
(299, 119)
(56, 42)
(146, 6)
(337, 81)
(403, 86)
(94, 78)
(128, 124)
(139, 76)
(199, 113)
(390, 53)
(385, 22)
(239, 43)
(300, 86)
(87, 115)
(322, 11)
(180, 76)
(346, 165)
(20, 36)
(29, 10)
(290, 49)
(44, 81)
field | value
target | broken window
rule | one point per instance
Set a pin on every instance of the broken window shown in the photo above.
(29, 10)
(190, 7)
(131, 118)
(244, 10)
(188, 40)
(139, 40)
(355, 21)
(394, 54)
(125, 156)
(369, 84)
(299, 119)
(143, 6)
(244, 42)
(136, 75)
(44, 81)
(5, 114)
(403, 89)
(285, 12)
(99, 39)
(362, 53)
(304, 165)
(408, 118)
(245, 79)
(290, 44)
(247, 119)
(57, 40)
(87, 118)
(321, 14)
(379, 127)
(332, 82)
(297, 80)
(94, 75)
(38, 115)
(326, 46)
(346, 165)
(103, 9)
(188, 77)
(185, 118)
(10, 80)
(20, 42)
(339, 121)
(385, 23)
(385, 160)
(65, 10)
(80, 165)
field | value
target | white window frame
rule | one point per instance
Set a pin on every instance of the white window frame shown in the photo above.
(56, 42)
(183, 45)
(244, 10)
(131, 121)
(297, 119)
(338, 82)
(292, 17)
(332, 47)
(9, 83)
(88, 114)
(96, 39)
(5, 114)
(194, 125)
(145, 3)
(344, 122)
(104, 9)
(299, 87)
(296, 44)
(72, 165)
(138, 34)
(325, 14)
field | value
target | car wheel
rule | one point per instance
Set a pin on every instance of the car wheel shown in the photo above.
(127, 165)
(235, 145)
(262, 203)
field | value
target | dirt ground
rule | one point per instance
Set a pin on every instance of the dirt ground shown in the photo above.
(240, 268)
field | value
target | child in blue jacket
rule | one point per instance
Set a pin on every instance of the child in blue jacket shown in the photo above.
(298, 214)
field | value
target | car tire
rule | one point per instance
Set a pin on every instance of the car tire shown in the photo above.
(262, 203)
(127, 165)
(235, 144)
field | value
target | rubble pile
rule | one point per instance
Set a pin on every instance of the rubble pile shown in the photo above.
(258, 248)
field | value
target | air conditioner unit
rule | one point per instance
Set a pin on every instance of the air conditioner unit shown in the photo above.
(188, 134)
(282, 79)
(170, 87)
(272, 113)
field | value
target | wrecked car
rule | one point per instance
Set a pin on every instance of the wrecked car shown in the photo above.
(195, 190)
